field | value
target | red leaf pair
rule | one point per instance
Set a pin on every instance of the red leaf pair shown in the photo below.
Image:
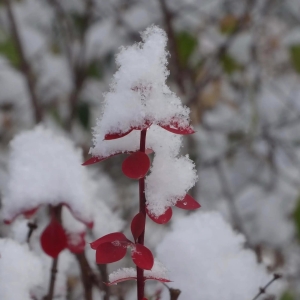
(112, 247)
(188, 203)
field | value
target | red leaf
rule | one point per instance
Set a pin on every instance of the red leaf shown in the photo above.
(162, 219)
(113, 136)
(142, 257)
(96, 159)
(188, 203)
(134, 278)
(29, 213)
(110, 252)
(53, 239)
(76, 242)
(138, 225)
(174, 128)
(112, 237)
(119, 280)
(136, 165)
(157, 279)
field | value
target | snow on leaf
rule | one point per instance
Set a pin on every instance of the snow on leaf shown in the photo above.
(142, 257)
(188, 202)
(111, 237)
(136, 165)
(110, 252)
(76, 242)
(53, 239)
(162, 219)
(137, 225)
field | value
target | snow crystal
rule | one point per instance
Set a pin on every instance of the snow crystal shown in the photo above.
(206, 260)
(45, 168)
(20, 271)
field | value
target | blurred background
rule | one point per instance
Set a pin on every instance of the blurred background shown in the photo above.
(234, 63)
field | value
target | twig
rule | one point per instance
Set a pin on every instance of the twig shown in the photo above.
(262, 290)
(25, 67)
(173, 45)
(104, 277)
(32, 226)
(174, 293)
(79, 68)
(52, 279)
(88, 277)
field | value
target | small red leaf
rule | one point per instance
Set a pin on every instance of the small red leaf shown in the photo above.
(29, 213)
(113, 136)
(188, 203)
(110, 252)
(93, 160)
(96, 159)
(119, 280)
(162, 219)
(138, 225)
(136, 165)
(53, 239)
(174, 127)
(76, 242)
(157, 278)
(112, 237)
(142, 257)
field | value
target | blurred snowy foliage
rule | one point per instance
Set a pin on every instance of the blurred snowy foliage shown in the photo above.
(234, 63)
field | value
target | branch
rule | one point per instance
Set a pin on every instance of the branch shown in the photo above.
(262, 290)
(174, 293)
(88, 277)
(31, 226)
(25, 67)
(79, 68)
(173, 46)
(104, 278)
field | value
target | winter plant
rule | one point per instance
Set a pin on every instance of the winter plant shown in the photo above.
(44, 171)
(141, 115)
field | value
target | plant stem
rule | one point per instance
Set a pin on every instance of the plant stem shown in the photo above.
(52, 279)
(56, 211)
(139, 271)
(25, 66)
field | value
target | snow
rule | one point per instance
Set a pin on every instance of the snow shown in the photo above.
(45, 168)
(138, 92)
(20, 271)
(138, 95)
(206, 259)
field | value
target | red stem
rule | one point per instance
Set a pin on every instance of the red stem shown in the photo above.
(140, 272)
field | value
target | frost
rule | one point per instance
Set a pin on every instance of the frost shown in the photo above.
(45, 168)
(207, 259)
(20, 271)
